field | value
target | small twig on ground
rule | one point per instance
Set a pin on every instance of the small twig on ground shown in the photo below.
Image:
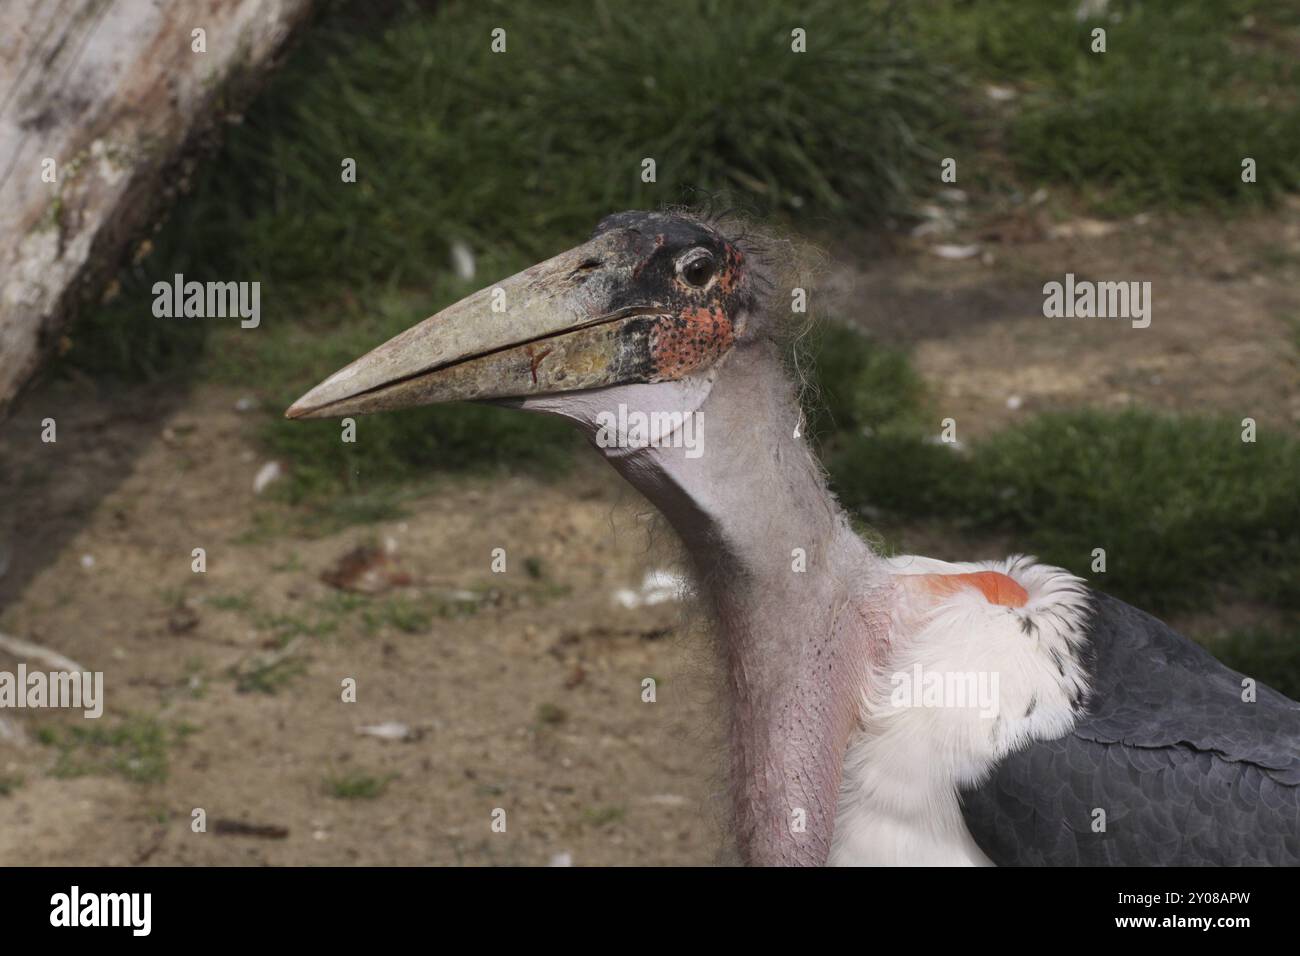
(26, 649)
(267, 831)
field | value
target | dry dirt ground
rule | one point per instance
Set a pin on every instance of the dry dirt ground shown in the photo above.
(524, 694)
(527, 698)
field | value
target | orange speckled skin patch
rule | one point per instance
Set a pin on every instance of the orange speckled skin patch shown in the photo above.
(996, 587)
(681, 344)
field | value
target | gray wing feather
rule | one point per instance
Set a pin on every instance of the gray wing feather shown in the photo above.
(1185, 770)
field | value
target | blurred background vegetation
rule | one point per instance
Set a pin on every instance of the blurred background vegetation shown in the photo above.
(516, 157)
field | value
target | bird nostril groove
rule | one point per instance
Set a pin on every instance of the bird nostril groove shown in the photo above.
(586, 266)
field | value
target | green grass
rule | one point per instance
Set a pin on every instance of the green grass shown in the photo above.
(1269, 655)
(290, 564)
(357, 785)
(1181, 505)
(9, 783)
(551, 714)
(853, 385)
(604, 816)
(402, 614)
(1164, 117)
(267, 674)
(322, 512)
(346, 613)
(136, 748)
(514, 152)
(230, 602)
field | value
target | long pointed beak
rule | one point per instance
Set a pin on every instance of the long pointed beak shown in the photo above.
(551, 328)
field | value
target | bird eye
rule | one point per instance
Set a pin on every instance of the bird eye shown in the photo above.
(696, 268)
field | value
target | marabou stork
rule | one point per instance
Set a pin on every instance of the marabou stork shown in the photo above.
(1111, 739)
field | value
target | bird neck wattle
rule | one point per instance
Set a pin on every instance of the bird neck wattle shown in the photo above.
(797, 596)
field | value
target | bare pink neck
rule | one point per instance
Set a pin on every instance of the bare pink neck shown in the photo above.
(798, 597)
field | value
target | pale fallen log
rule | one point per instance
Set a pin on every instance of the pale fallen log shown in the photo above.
(102, 106)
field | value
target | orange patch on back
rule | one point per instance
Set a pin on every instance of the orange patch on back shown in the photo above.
(996, 587)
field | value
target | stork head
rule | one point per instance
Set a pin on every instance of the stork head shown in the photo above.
(649, 298)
